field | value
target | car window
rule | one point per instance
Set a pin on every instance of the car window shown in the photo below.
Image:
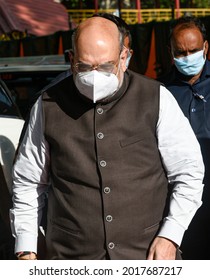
(4, 98)
(26, 76)
(7, 105)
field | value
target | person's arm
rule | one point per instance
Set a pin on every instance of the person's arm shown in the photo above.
(30, 183)
(182, 159)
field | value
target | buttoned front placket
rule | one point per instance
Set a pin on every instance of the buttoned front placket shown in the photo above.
(194, 102)
(103, 158)
(199, 107)
(196, 112)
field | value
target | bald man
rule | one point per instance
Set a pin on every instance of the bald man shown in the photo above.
(114, 155)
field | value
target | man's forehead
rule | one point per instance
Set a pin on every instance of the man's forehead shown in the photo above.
(97, 24)
(186, 29)
(187, 35)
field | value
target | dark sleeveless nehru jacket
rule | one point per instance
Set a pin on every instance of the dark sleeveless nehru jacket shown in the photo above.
(109, 187)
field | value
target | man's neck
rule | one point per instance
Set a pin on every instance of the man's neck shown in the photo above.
(192, 79)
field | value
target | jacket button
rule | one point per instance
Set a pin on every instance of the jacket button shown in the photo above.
(102, 163)
(100, 135)
(107, 190)
(111, 245)
(100, 111)
(109, 218)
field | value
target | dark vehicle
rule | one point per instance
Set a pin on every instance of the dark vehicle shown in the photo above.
(25, 76)
(8, 106)
(21, 78)
(11, 124)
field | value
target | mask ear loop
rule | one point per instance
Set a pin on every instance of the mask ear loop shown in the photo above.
(118, 67)
(128, 56)
(124, 52)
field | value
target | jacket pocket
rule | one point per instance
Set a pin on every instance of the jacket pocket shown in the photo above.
(152, 228)
(134, 139)
(64, 229)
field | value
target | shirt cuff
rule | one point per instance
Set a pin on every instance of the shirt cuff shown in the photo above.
(173, 231)
(26, 242)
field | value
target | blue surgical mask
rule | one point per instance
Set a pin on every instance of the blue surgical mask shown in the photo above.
(190, 65)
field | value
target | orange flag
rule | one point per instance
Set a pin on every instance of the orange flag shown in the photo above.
(150, 72)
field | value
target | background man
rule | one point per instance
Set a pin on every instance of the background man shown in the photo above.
(189, 82)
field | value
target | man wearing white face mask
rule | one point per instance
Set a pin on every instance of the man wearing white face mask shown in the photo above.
(123, 178)
(189, 82)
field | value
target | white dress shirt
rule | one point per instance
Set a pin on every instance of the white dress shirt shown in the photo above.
(180, 153)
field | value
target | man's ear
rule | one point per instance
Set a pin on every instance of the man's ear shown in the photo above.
(131, 51)
(170, 51)
(206, 48)
(71, 57)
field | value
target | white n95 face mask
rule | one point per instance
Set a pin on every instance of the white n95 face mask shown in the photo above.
(96, 85)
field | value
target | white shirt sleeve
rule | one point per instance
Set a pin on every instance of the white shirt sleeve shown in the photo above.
(30, 183)
(181, 156)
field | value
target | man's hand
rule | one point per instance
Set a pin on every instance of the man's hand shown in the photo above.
(29, 256)
(162, 249)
